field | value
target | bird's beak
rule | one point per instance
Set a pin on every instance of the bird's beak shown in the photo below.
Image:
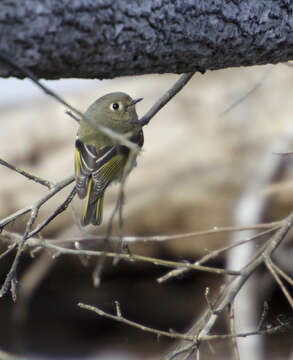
(135, 101)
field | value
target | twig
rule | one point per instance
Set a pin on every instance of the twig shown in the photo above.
(128, 167)
(172, 334)
(14, 216)
(99, 268)
(213, 254)
(8, 250)
(11, 276)
(282, 273)
(206, 295)
(248, 93)
(35, 178)
(57, 187)
(155, 261)
(268, 263)
(72, 116)
(263, 315)
(161, 238)
(252, 207)
(58, 211)
(179, 84)
(233, 332)
(214, 230)
(112, 134)
(228, 293)
(118, 208)
(48, 244)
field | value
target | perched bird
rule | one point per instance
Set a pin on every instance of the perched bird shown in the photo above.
(98, 158)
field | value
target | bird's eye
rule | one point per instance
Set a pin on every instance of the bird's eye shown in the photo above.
(115, 106)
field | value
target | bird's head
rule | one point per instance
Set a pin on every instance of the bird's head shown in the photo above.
(115, 110)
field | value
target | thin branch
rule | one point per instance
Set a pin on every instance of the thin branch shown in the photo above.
(233, 331)
(171, 334)
(97, 273)
(268, 263)
(35, 178)
(58, 211)
(248, 93)
(209, 303)
(14, 216)
(263, 315)
(118, 207)
(128, 257)
(225, 297)
(10, 280)
(69, 113)
(161, 238)
(112, 134)
(8, 250)
(179, 84)
(214, 230)
(57, 187)
(120, 202)
(282, 273)
(213, 254)
(11, 276)
(47, 244)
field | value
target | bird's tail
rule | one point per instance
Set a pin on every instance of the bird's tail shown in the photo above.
(93, 209)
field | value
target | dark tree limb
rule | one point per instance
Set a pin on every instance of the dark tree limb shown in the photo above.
(106, 39)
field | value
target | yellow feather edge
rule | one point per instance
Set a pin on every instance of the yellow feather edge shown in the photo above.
(77, 162)
(99, 210)
(87, 197)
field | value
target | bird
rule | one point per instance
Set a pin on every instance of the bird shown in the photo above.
(99, 159)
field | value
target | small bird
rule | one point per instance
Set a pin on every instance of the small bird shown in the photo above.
(99, 160)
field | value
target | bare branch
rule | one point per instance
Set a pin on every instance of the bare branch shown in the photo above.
(228, 293)
(8, 250)
(161, 238)
(233, 332)
(248, 93)
(132, 257)
(213, 254)
(11, 276)
(263, 315)
(57, 187)
(282, 273)
(268, 263)
(180, 83)
(69, 113)
(112, 134)
(48, 244)
(172, 334)
(35, 178)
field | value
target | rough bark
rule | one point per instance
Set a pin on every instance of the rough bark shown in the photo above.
(106, 39)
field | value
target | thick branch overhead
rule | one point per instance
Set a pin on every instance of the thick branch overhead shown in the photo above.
(106, 39)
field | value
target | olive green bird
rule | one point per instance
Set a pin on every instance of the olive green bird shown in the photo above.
(99, 160)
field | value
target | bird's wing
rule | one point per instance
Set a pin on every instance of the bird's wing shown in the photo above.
(102, 166)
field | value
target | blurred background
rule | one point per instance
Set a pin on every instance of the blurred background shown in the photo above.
(197, 164)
